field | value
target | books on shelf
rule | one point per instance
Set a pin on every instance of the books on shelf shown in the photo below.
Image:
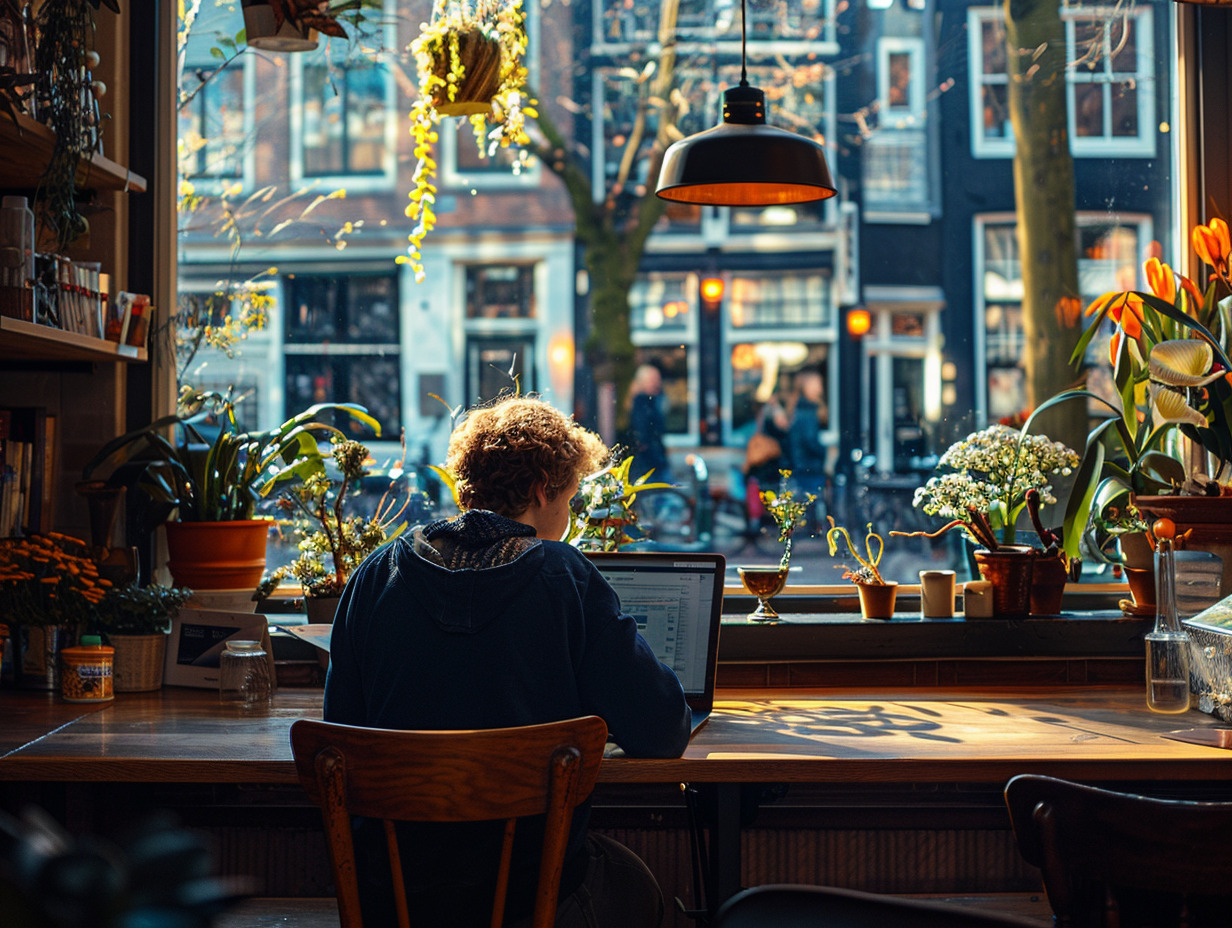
(27, 470)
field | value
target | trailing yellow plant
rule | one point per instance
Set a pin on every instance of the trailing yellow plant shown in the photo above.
(481, 42)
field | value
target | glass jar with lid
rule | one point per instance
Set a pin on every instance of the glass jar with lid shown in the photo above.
(244, 677)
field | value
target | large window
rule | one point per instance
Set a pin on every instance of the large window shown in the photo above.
(1110, 80)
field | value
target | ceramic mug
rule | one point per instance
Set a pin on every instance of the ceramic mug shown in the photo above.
(937, 594)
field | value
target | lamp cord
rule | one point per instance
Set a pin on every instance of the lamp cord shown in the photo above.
(744, 80)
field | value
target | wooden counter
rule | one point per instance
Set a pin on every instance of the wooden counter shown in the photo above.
(911, 735)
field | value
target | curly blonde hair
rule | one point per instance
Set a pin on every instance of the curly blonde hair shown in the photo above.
(499, 454)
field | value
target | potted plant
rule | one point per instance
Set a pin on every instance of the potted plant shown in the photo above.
(213, 486)
(136, 621)
(877, 595)
(603, 510)
(1166, 447)
(333, 543)
(292, 25)
(788, 514)
(49, 588)
(984, 484)
(470, 62)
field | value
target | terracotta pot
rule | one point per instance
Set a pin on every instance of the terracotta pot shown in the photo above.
(217, 555)
(138, 662)
(1207, 519)
(1048, 578)
(877, 599)
(1008, 569)
(1141, 586)
(481, 60)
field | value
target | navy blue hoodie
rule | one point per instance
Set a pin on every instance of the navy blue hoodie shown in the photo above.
(533, 634)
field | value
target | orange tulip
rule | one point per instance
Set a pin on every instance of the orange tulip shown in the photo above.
(1213, 244)
(1195, 294)
(1160, 279)
(1098, 304)
(1130, 322)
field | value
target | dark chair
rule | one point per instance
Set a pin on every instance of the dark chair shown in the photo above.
(448, 776)
(791, 906)
(1119, 859)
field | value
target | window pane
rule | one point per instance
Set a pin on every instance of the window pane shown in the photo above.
(1089, 109)
(344, 113)
(500, 292)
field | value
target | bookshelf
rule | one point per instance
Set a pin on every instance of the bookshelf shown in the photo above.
(27, 148)
(28, 341)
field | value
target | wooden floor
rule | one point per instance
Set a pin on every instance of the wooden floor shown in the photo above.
(268, 912)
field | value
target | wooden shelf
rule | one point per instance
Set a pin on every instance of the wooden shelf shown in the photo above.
(27, 147)
(27, 341)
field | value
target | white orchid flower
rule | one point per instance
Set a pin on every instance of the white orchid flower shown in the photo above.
(1183, 362)
(1169, 406)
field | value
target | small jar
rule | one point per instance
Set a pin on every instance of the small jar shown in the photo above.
(87, 672)
(244, 675)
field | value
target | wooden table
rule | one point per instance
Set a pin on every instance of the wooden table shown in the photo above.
(918, 735)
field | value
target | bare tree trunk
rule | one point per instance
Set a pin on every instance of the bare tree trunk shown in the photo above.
(1044, 191)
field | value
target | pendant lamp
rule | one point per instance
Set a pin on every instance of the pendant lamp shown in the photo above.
(742, 161)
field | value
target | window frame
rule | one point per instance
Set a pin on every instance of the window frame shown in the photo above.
(1144, 145)
(384, 180)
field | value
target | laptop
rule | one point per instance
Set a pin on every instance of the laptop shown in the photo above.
(677, 601)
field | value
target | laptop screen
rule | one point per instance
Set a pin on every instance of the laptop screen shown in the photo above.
(676, 600)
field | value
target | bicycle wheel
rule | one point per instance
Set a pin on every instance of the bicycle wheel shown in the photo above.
(731, 529)
(667, 517)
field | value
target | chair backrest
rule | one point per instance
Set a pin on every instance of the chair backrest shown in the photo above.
(789, 905)
(1112, 858)
(448, 776)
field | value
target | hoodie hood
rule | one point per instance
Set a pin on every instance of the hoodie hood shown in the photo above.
(464, 570)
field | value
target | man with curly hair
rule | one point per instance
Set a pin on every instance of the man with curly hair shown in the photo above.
(488, 620)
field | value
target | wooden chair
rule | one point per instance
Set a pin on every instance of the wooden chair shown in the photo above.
(789, 905)
(448, 776)
(1119, 859)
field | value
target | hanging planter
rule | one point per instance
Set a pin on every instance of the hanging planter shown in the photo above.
(470, 62)
(468, 66)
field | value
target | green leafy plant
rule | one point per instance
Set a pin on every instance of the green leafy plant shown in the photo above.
(332, 543)
(787, 512)
(138, 610)
(222, 480)
(603, 511)
(1169, 356)
(867, 572)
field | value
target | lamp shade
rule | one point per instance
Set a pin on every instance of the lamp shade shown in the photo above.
(744, 162)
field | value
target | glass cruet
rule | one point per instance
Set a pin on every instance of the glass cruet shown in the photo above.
(1167, 646)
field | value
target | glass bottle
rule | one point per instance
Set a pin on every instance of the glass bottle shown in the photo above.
(244, 676)
(1167, 647)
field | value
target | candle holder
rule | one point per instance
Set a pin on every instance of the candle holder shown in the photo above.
(764, 583)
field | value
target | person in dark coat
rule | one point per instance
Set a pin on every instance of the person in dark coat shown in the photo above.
(647, 424)
(488, 620)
